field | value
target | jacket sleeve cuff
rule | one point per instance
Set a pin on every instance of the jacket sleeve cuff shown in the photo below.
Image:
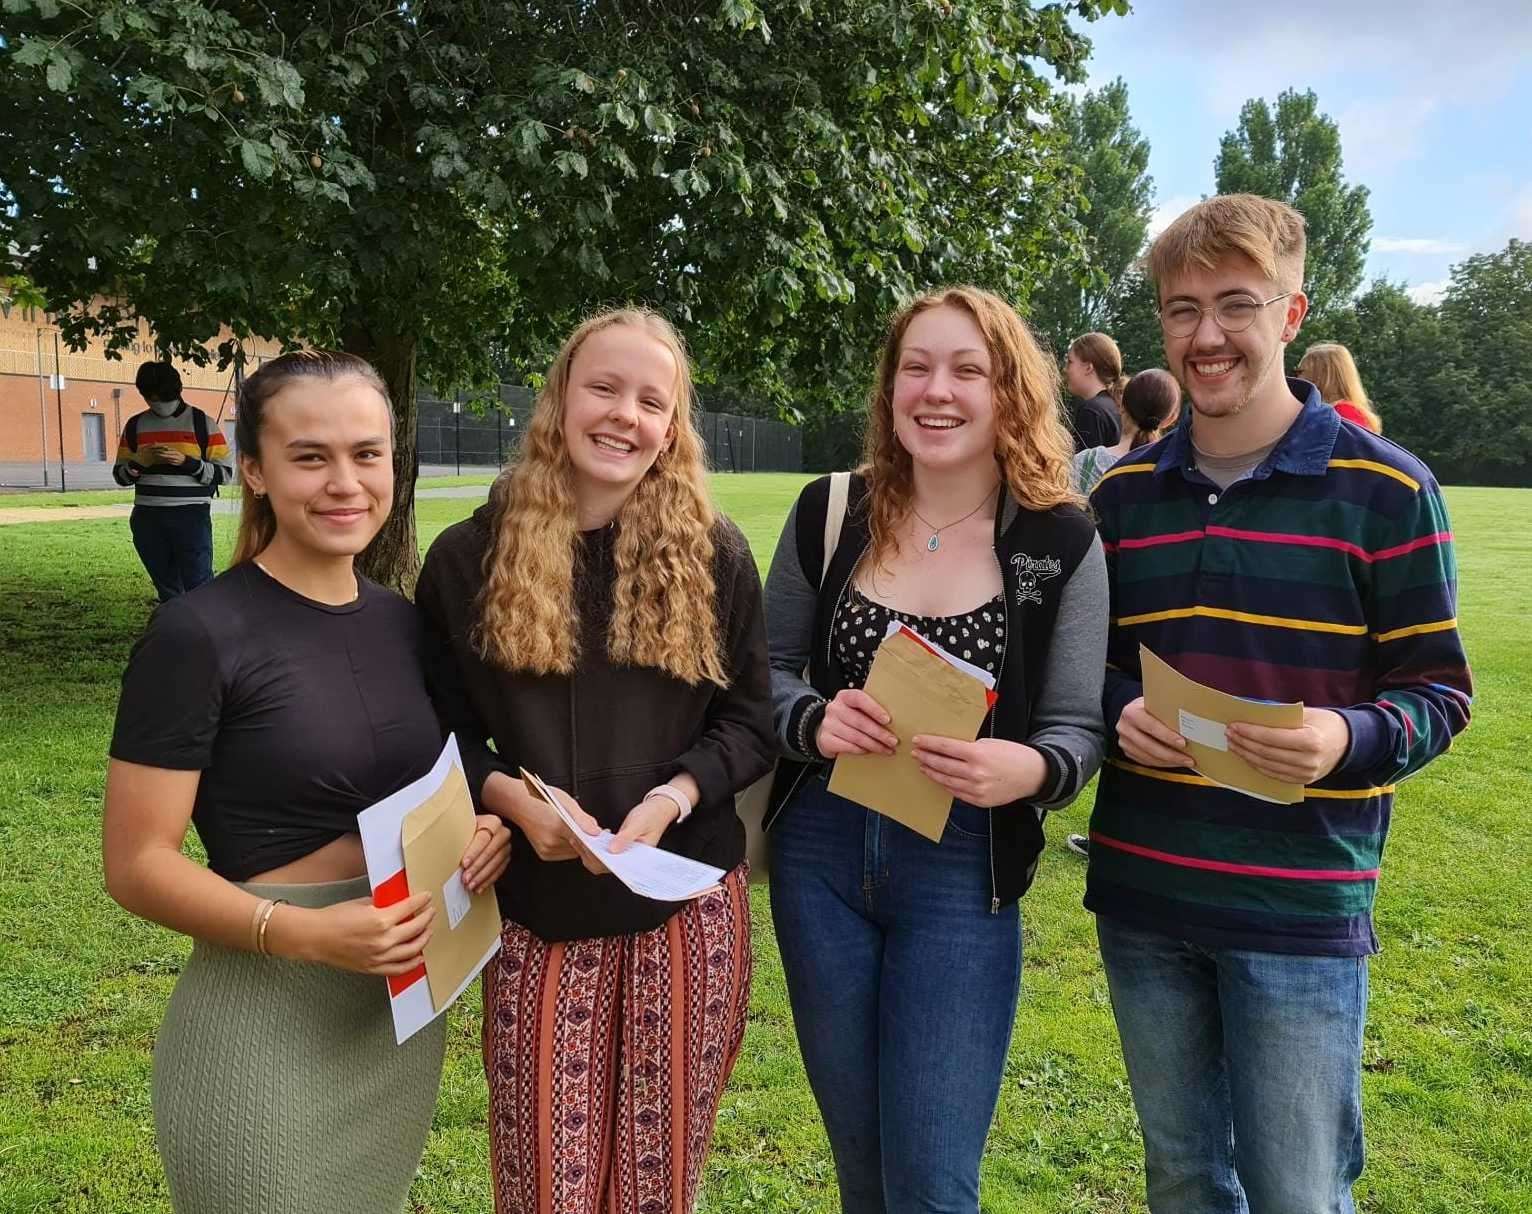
(1062, 774)
(1370, 744)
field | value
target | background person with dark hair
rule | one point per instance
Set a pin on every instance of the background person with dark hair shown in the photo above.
(1149, 406)
(173, 457)
(1093, 374)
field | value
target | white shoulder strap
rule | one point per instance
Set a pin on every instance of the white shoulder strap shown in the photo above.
(835, 515)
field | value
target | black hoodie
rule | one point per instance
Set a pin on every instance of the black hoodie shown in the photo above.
(607, 734)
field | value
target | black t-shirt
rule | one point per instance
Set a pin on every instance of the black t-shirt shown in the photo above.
(1094, 422)
(297, 713)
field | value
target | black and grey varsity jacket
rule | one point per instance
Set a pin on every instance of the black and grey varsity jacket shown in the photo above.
(1049, 685)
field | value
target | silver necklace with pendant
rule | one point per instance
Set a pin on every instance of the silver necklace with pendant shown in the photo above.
(935, 541)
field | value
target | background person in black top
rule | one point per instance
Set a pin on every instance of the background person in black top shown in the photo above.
(601, 624)
(1093, 374)
(268, 707)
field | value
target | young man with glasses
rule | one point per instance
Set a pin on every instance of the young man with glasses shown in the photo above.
(1266, 549)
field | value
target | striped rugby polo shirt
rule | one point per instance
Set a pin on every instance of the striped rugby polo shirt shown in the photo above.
(163, 484)
(1326, 576)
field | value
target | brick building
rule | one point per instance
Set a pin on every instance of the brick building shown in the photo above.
(98, 396)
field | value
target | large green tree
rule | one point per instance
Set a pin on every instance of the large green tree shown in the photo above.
(1116, 200)
(438, 186)
(1294, 155)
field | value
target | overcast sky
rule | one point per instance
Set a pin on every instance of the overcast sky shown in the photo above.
(1434, 103)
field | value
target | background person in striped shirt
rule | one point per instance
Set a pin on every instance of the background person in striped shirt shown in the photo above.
(1268, 549)
(174, 458)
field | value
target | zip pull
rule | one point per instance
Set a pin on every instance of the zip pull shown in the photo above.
(994, 906)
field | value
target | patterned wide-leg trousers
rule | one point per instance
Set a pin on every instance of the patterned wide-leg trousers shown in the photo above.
(607, 1059)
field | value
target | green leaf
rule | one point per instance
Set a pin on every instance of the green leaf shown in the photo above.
(570, 162)
(658, 121)
(259, 161)
(33, 52)
(60, 75)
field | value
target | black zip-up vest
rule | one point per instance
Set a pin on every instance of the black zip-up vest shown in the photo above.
(1037, 552)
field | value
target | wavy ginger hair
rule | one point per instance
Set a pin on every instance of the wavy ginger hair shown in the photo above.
(662, 616)
(1032, 447)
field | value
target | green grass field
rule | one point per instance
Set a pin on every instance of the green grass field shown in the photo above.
(1448, 1060)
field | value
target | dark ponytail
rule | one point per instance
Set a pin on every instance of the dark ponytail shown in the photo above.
(1152, 402)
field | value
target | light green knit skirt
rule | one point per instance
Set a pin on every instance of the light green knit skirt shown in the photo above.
(278, 1088)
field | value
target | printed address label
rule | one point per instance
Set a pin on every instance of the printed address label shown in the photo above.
(1199, 729)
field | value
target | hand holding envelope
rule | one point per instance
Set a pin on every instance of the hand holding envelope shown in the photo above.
(1202, 715)
(926, 692)
(415, 841)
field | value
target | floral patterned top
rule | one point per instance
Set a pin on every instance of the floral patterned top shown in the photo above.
(976, 636)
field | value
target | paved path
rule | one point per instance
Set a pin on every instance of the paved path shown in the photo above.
(224, 505)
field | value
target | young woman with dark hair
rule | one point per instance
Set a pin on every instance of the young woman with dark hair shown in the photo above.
(268, 707)
(1149, 406)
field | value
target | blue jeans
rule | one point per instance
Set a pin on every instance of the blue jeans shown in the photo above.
(1246, 1070)
(903, 987)
(175, 543)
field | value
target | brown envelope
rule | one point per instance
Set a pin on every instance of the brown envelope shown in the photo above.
(1199, 713)
(924, 695)
(435, 835)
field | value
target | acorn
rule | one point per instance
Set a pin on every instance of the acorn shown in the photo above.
(237, 97)
(315, 162)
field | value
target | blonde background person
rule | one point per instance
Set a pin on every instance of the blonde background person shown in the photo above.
(1328, 365)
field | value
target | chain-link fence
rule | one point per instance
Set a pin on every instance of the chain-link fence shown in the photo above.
(478, 434)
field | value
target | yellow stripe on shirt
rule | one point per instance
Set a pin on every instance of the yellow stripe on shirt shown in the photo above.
(1181, 777)
(1120, 470)
(1382, 469)
(1241, 617)
(1415, 630)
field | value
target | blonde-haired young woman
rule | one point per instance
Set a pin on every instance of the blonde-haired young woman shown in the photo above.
(903, 956)
(600, 624)
(1328, 365)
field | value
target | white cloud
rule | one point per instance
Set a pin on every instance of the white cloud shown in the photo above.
(1379, 136)
(1423, 245)
(1169, 210)
(1429, 292)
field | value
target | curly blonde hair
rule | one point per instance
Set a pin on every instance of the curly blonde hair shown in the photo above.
(663, 612)
(1032, 446)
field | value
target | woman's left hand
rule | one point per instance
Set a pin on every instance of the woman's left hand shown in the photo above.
(646, 823)
(985, 773)
(489, 851)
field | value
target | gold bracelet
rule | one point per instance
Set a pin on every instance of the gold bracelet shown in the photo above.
(255, 923)
(271, 910)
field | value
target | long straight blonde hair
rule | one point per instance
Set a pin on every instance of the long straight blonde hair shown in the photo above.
(1331, 369)
(1032, 447)
(664, 603)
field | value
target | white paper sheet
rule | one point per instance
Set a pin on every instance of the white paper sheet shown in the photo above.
(968, 668)
(382, 830)
(651, 872)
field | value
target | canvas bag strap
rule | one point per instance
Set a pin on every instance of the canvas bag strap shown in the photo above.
(835, 516)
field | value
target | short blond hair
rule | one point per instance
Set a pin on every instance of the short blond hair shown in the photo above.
(1268, 233)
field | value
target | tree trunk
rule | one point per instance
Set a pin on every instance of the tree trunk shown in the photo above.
(393, 557)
